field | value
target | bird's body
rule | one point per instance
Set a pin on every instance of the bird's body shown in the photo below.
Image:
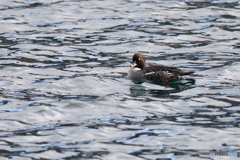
(162, 73)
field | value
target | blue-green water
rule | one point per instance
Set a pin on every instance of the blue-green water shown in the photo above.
(65, 92)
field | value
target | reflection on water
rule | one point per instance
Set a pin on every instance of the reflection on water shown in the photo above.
(159, 88)
(65, 92)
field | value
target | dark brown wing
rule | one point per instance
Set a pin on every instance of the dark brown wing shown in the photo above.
(163, 73)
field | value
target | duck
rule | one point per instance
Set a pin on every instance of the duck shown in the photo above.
(139, 69)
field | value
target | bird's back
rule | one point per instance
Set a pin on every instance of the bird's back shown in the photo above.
(163, 73)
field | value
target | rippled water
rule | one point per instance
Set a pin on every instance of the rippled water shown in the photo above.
(65, 92)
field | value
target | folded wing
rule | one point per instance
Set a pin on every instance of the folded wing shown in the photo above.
(163, 73)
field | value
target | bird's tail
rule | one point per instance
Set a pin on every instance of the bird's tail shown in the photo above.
(187, 73)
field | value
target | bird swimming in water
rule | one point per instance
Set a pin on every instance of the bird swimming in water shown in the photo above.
(162, 73)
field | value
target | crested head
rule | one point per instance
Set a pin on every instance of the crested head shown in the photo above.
(139, 60)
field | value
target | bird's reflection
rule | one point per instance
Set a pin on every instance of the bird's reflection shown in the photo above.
(143, 87)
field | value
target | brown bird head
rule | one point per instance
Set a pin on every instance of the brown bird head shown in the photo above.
(139, 61)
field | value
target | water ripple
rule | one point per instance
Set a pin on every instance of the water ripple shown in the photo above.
(65, 94)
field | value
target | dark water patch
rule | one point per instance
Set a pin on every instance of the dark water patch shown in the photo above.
(205, 4)
(33, 94)
(6, 42)
(30, 5)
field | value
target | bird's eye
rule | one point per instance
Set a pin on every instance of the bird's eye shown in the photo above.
(139, 59)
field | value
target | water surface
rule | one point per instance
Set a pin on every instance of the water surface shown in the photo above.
(65, 92)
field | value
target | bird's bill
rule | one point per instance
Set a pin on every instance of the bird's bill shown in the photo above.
(133, 65)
